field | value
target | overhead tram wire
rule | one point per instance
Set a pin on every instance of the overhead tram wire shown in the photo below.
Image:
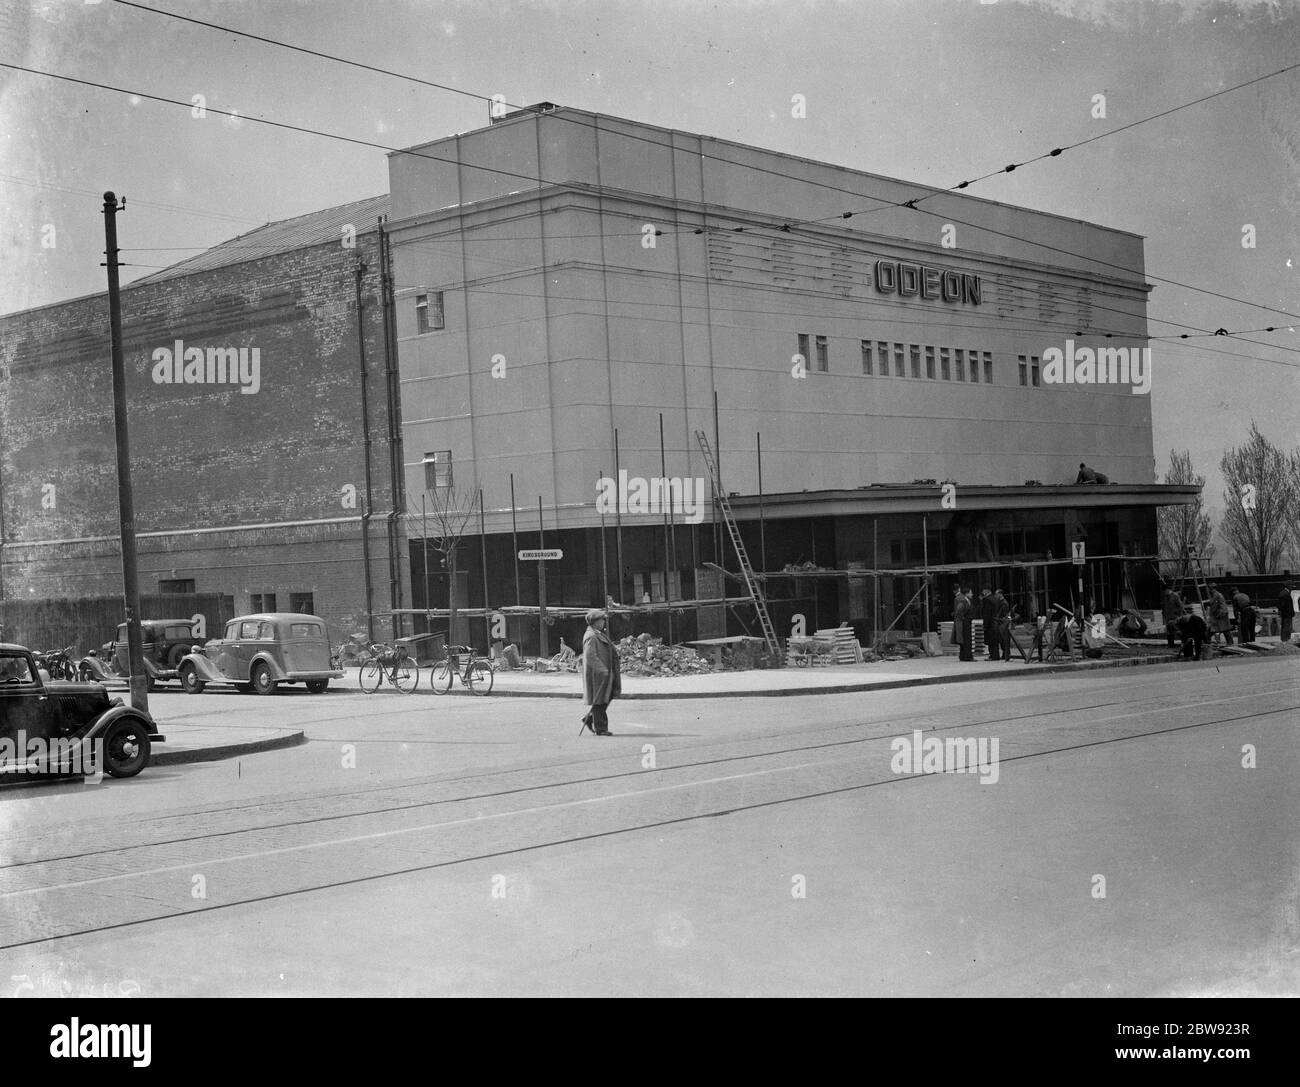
(911, 203)
(755, 231)
(418, 154)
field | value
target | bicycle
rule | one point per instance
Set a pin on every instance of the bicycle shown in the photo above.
(477, 674)
(393, 665)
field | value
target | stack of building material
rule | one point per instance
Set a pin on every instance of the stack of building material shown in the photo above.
(846, 649)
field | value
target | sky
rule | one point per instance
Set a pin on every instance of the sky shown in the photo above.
(931, 91)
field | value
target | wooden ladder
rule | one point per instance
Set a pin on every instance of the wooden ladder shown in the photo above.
(746, 570)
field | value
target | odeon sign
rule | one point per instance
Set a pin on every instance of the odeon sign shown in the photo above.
(920, 280)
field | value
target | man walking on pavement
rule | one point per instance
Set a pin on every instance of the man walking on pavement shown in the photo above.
(601, 682)
(1286, 610)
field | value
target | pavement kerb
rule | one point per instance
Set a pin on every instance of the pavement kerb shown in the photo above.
(851, 688)
(161, 756)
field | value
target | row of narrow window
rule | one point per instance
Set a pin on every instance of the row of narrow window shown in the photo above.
(883, 358)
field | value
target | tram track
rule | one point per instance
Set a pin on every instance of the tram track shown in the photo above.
(904, 724)
(897, 724)
(658, 806)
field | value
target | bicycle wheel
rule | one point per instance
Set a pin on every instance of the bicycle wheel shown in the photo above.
(372, 675)
(479, 679)
(441, 676)
(406, 675)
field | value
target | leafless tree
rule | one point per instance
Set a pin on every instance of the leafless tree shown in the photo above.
(446, 516)
(1261, 502)
(1181, 527)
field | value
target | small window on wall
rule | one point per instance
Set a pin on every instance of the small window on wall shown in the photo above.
(180, 585)
(974, 357)
(866, 356)
(959, 364)
(914, 353)
(883, 357)
(428, 312)
(1024, 369)
(945, 363)
(262, 602)
(1033, 369)
(437, 470)
(929, 363)
(988, 367)
(823, 354)
(900, 369)
(805, 348)
(302, 603)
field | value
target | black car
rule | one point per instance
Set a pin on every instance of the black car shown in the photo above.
(61, 727)
(163, 641)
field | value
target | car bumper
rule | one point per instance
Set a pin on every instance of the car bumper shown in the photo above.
(298, 677)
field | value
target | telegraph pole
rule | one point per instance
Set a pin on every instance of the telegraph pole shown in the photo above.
(125, 504)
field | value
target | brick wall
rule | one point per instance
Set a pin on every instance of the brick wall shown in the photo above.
(287, 458)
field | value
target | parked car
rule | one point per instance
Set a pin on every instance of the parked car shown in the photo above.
(259, 652)
(163, 641)
(53, 726)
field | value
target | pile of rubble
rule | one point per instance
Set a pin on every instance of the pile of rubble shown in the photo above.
(646, 655)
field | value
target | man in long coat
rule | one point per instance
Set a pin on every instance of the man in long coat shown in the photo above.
(1218, 614)
(1171, 612)
(1245, 616)
(989, 616)
(1286, 611)
(601, 682)
(962, 628)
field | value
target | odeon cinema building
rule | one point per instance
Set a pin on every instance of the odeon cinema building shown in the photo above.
(555, 314)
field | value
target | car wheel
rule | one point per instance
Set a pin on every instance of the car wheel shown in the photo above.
(317, 686)
(261, 679)
(175, 655)
(126, 748)
(190, 682)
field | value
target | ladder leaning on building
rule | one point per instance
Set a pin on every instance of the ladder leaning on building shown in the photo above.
(746, 570)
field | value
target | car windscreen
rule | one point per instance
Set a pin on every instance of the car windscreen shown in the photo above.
(15, 670)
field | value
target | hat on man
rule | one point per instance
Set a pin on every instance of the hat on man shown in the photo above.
(595, 614)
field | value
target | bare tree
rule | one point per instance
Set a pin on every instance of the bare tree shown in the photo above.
(446, 515)
(1181, 527)
(1261, 502)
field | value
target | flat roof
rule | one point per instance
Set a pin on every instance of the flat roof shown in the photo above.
(570, 113)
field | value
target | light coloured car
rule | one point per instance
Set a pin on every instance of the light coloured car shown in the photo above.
(261, 652)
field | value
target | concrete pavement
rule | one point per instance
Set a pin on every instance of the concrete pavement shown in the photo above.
(206, 729)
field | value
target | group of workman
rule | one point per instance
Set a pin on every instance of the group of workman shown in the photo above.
(1183, 627)
(994, 610)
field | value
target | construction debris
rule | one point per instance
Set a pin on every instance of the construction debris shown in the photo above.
(646, 655)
